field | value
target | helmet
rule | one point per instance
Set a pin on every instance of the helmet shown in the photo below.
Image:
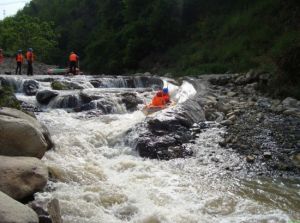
(166, 90)
(19, 51)
(30, 49)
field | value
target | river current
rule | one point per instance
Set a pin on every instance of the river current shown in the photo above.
(97, 178)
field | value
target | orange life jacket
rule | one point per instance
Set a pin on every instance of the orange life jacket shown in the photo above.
(166, 97)
(73, 57)
(158, 101)
(19, 58)
(29, 56)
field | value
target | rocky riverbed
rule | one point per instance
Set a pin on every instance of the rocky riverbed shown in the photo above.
(264, 131)
(208, 154)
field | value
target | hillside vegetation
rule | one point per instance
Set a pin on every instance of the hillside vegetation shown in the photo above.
(184, 37)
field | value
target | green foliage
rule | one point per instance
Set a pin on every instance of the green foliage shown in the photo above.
(182, 36)
(7, 98)
(22, 32)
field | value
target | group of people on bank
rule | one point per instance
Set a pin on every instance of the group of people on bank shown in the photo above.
(30, 57)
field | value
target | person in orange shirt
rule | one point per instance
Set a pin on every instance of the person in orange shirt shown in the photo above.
(1, 56)
(29, 58)
(19, 60)
(158, 100)
(166, 95)
(73, 60)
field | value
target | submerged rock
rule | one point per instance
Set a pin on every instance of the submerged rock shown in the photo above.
(21, 177)
(12, 211)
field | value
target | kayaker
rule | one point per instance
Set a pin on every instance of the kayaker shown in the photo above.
(73, 60)
(166, 95)
(19, 60)
(158, 100)
(29, 58)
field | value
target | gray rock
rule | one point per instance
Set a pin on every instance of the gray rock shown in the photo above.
(292, 111)
(21, 177)
(30, 87)
(226, 122)
(45, 96)
(250, 159)
(289, 102)
(267, 155)
(231, 94)
(22, 135)
(232, 118)
(12, 211)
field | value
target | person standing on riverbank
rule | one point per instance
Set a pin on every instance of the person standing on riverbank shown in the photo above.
(30, 58)
(73, 60)
(19, 60)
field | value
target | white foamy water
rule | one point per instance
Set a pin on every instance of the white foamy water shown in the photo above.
(98, 182)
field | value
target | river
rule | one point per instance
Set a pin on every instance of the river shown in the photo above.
(98, 178)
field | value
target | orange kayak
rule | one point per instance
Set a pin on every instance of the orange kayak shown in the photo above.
(150, 109)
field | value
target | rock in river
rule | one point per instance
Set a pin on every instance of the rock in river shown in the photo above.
(21, 177)
(22, 135)
(12, 211)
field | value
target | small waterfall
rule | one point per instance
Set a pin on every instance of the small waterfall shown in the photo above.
(65, 101)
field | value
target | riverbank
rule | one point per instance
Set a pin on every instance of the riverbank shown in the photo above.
(264, 131)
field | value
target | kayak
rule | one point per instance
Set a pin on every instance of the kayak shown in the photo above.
(61, 71)
(150, 109)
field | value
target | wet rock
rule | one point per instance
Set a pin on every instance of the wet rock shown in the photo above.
(96, 83)
(67, 101)
(45, 96)
(21, 177)
(226, 122)
(54, 211)
(231, 94)
(30, 87)
(289, 102)
(131, 101)
(224, 107)
(164, 135)
(12, 211)
(22, 135)
(221, 81)
(232, 118)
(250, 159)
(296, 160)
(292, 111)
(250, 77)
(267, 155)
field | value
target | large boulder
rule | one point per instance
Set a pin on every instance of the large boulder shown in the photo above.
(21, 177)
(45, 96)
(30, 87)
(12, 211)
(164, 135)
(22, 135)
(131, 100)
